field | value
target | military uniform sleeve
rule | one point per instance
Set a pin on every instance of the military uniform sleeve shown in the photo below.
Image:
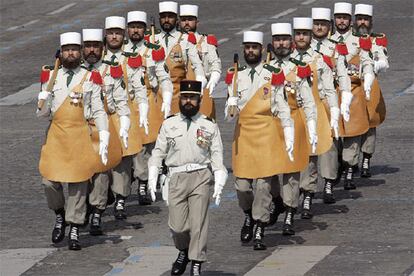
(120, 98)
(344, 81)
(367, 63)
(214, 61)
(163, 76)
(309, 106)
(216, 151)
(195, 59)
(97, 108)
(280, 107)
(328, 85)
(138, 86)
(159, 152)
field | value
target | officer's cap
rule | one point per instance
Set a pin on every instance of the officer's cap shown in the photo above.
(92, 35)
(362, 9)
(343, 8)
(189, 10)
(321, 14)
(115, 22)
(281, 29)
(70, 38)
(168, 6)
(253, 37)
(137, 16)
(190, 87)
(302, 23)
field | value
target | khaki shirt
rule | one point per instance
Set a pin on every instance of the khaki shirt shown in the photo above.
(189, 51)
(208, 54)
(116, 96)
(177, 143)
(326, 86)
(303, 88)
(156, 70)
(328, 48)
(246, 89)
(136, 86)
(93, 105)
(352, 43)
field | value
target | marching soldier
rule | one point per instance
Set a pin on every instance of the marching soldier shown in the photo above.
(115, 100)
(376, 104)
(361, 72)
(180, 49)
(70, 97)
(206, 45)
(159, 92)
(333, 55)
(191, 144)
(326, 101)
(298, 92)
(256, 98)
(129, 69)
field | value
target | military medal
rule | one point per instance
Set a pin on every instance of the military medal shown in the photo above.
(75, 97)
(203, 138)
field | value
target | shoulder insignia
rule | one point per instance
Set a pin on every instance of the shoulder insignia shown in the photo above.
(96, 77)
(278, 78)
(192, 38)
(342, 49)
(271, 68)
(381, 40)
(210, 119)
(229, 76)
(45, 74)
(116, 71)
(170, 116)
(212, 40)
(158, 54)
(135, 61)
(152, 46)
(297, 62)
(304, 71)
(365, 43)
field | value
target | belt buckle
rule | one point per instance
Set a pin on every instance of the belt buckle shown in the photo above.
(188, 167)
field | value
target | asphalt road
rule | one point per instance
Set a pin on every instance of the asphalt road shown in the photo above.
(368, 231)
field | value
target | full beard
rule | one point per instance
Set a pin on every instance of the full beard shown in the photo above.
(282, 52)
(363, 30)
(92, 58)
(252, 59)
(167, 27)
(189, 110)
(71, 64)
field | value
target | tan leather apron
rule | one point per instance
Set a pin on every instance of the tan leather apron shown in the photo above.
(207, 107)
(258, 146)
(323, 126)
(376, 106)
(68, 154)
(358, 123)
(134, 133)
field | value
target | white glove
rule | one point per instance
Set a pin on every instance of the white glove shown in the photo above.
(43, 95)
(220, 178)
(125, 123)
(152, 181)
(231, 101)
(166, 103)
(334, 121)
(289, 133)
(313, 137)
(103, 145)
(143, 116)
(380, 66)
(346, 99)
(214, 79)
(203, 81)
(368, 80)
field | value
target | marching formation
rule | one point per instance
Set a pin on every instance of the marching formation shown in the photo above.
(134, 103)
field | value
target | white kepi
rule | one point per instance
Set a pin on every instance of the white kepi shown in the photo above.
(137, 16)
(343, 8)
(363, 9)
(253, 37)
(115, 22)
(168, 6)
(70, 38)
(281, 29)
(92, 35)
(321, 14)
(302, 23)
(189, 10)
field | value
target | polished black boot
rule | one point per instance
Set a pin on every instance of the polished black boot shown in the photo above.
(276, 209)
(73, 242)
(366, 169)
(195, 268)
(58, 232)
(328, 196)
(258, 236)
(119, 207)
(143, 196)
(180, 264)
(246, 234)
(349, 179)
(287, 229)
(307, 205)
(96, 224)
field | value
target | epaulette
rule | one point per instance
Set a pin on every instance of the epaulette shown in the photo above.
(380, 39)
(271, 68)
(170, 116)
(110, 63)
(230, 73)
(377, 34)
(116, 71)
(84, 67)
(45, 73)
(365, 43)
(240, 68)
(129, 54)
(135, 61)
(96, 77)
(333, 40)
(212, 40)
(209, 119)
(297, 62)
(278, 76)
(156, 31)
(152, 46)
(48, 67)
(191, 38)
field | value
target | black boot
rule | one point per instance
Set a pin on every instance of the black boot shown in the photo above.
(58, 232)
(73, 242)
(143, 197)
(349, 179)
(111, 197)
(258, 236)
(180, 264)
(288, 223)
(96, 224)
(246, 234)
(307, 205)
(328, 196)
(195, 268)
(276, 209)
(366, 170)
(119, 207)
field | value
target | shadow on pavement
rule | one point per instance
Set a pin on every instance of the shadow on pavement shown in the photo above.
(385, 169)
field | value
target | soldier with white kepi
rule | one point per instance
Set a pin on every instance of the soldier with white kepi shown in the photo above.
(191, 145)
(70, 97)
